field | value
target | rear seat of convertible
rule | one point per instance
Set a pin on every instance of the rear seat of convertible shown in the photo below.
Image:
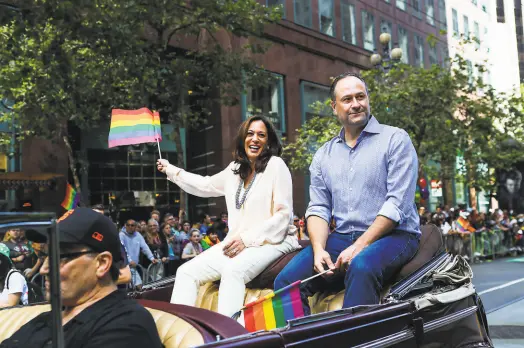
(431, 244)
(174, 331)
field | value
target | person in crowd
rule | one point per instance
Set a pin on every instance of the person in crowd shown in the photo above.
(134, 243)
(211, 239)
(193, 248)
(172, 220)
(296, 222)
(365, 178)
(21, 250)
(258, 191)
(171, 265)
(158, 244)
(302, 229)
(14, 290)
(141, 227)
(95, 313)
(205, 222)
(221, 228)
(155, 215)
(223, 217)
(99, 208)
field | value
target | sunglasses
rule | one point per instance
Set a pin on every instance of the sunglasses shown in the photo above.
(67, 257)
(131, 225)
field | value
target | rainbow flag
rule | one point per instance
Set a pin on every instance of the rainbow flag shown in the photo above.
(134, 127)
(464, 226)
(273, 310)
(71, 199)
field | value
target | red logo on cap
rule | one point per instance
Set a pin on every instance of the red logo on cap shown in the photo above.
(97, 236)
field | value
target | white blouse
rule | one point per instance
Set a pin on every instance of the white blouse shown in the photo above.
(266, 217)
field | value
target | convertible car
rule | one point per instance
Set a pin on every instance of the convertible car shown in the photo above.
(431, 303)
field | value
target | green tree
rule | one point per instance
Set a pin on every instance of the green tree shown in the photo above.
(445, 111)
(69, 63)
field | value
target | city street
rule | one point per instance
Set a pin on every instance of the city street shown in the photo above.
(500, 284)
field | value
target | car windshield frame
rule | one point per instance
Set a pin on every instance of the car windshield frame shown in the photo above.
(45, 223)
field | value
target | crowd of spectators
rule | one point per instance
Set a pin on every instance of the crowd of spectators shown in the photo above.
(158, 246)
(459, 224)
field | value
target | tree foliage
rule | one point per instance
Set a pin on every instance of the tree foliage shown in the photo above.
(446, 111)
(65, 62)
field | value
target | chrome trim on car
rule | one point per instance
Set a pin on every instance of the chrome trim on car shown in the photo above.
(430, 326)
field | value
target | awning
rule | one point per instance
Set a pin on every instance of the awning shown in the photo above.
(15, 180)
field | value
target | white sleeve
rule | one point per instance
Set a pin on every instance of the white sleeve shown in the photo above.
(198, 185)
(16, 283)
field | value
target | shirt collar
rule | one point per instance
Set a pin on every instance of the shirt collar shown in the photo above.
(372, 127)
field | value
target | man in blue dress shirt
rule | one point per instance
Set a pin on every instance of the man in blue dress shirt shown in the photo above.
(365, 179)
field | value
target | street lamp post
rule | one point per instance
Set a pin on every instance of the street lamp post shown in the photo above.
(388, 59)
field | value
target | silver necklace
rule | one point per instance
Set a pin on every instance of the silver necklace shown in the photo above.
(240, 203)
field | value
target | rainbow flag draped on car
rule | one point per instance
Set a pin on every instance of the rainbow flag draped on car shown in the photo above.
(275, 309)
(130, 127)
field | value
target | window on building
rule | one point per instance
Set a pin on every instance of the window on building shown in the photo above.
(127, 176)
(466, 26)
(444, 56)
(267, 101)
(387, 27)
(368, 31)
(432, 53)
(469, 67)
(327, 18)
(281, 3)
(419, 51)
(349, 21)
(416, 8)
(454, 18)
(485, 38)
(313, 97)
(403, 43)
(430, 12)
(442, 15)
(402, 4)
(303, 12)
(476, 32)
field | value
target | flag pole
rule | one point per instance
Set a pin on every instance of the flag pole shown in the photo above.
(316, 275)
(159, 153)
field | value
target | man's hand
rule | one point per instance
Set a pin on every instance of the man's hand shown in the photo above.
(345, 257)
(132, 264)
(162, 165)
(322, 258)
(154, 261)
(164, 259)
(234, 247)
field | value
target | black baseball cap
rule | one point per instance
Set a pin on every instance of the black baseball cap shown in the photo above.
(87, 227)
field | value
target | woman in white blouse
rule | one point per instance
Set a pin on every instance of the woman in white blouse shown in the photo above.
(258, 191)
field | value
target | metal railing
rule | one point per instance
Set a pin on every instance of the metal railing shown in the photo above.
(482, 244)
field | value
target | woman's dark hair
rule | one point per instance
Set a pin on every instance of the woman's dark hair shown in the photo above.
(273, 147)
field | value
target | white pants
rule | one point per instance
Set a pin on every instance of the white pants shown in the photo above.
(233, 273)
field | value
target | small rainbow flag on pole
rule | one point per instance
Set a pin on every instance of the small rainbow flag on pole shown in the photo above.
(71, 199)
(130, 127)
(275, 309)
(464, 226)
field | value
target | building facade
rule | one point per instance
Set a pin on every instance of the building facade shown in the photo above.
(317, 40)
(314, 42)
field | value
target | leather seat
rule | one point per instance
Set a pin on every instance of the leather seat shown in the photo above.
(431, 244)
(173, 330)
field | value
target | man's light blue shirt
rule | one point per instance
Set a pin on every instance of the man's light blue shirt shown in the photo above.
(376, 177)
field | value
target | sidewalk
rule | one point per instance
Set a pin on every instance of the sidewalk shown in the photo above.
(507, 326)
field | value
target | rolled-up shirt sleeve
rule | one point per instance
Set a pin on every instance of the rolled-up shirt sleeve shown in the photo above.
(401, 178)
(320, 203)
